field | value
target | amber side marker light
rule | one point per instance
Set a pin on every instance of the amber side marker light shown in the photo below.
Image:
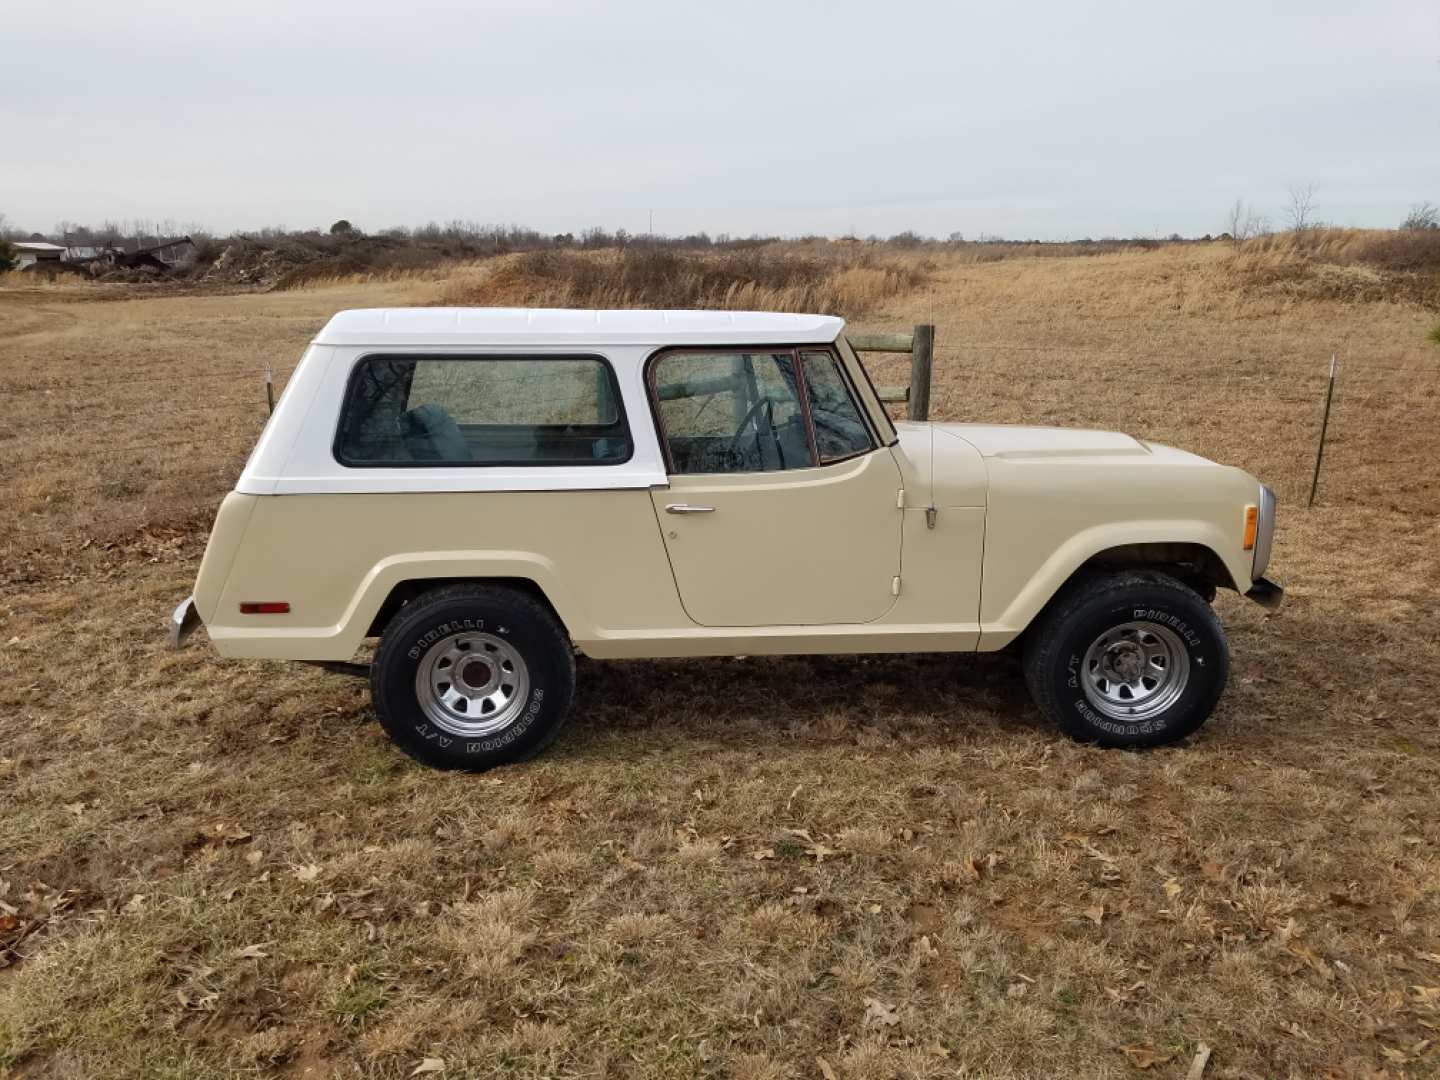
(264, 607)
(1252, 525)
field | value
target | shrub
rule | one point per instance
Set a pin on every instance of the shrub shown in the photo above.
(1422, 217)
(736, 280)
(1345, 264)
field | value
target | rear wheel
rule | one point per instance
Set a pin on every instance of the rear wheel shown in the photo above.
(473, 676)
(1130, 659)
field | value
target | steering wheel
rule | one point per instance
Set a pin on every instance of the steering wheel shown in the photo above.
(752, 417)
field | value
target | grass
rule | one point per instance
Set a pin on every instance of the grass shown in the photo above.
(729, 867)
(760, 279)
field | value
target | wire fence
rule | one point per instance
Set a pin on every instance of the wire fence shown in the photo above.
(1247, 408)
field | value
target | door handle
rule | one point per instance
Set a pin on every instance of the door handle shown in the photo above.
(686, 508)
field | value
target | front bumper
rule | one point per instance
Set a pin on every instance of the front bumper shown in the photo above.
(183, 621)
(1266, 593)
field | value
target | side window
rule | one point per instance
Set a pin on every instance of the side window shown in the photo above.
(482, 410)
(840, 431)
(726, 412)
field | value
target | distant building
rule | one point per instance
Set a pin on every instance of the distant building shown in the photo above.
(30, 252)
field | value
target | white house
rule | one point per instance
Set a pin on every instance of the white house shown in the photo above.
(30, 252)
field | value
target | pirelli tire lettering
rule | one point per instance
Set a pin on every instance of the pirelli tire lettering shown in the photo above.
(1165, 618)
(445, 630)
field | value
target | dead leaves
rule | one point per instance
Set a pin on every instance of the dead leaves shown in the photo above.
(880, 1015)
(1145, 1056)
(223, 834)
(1107, 865)
(1125, 995)
(817, 850)
(43, 904)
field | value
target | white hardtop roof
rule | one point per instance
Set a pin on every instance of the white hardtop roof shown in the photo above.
(575, 328)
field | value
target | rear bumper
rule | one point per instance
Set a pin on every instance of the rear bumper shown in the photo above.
(1266, 593)
(183, 621)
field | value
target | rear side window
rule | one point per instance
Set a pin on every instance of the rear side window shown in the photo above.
(482, 410)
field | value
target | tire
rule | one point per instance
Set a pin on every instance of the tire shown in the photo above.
(473, 676)
(1130, 659)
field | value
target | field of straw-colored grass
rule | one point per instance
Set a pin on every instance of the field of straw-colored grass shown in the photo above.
(848, 867)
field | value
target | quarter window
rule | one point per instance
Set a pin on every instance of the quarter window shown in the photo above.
(840, 432)
(482, 410)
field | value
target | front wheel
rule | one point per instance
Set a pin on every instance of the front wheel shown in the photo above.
(1129, 659)
(472, 676)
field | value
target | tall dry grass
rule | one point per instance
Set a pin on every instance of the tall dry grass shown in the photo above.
(773, 279)
(1364, 265)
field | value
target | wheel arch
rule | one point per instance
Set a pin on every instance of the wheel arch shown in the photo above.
(1193, 560)
(411, 588)
(1197, 565)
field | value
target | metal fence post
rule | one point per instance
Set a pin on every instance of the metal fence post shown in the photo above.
(1324, 424)
(270, 388)
(922, 352)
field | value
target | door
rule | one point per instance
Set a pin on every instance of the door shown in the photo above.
(783, 506)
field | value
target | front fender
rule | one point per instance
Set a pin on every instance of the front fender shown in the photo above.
(1006, 611)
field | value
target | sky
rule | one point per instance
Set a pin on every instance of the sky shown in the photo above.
(1045, 119)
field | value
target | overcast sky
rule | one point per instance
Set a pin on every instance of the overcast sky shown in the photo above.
(1053, 119)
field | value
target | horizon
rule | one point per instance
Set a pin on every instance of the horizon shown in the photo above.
(1041, 121)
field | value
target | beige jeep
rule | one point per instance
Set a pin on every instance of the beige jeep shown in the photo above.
(490, 492)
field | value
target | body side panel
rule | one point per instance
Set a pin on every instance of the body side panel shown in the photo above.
(597, 555)
(231, 522)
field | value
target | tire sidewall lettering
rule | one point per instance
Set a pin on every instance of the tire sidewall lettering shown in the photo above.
(445, 629)
(1174, 622)
(1207, 664)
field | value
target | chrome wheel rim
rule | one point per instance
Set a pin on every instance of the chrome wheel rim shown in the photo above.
(1135, 671)
(471, 684)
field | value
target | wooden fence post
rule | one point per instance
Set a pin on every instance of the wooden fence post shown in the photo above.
(921, 347)
(922, 352)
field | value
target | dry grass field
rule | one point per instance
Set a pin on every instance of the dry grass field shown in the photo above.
(838, 867)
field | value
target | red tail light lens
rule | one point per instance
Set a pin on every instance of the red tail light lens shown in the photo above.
(264, 607)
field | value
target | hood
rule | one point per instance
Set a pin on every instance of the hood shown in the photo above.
(1006, 441)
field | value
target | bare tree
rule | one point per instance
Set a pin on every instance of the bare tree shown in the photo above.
(1300, 213)
(1242, 222)
(1423, 217)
